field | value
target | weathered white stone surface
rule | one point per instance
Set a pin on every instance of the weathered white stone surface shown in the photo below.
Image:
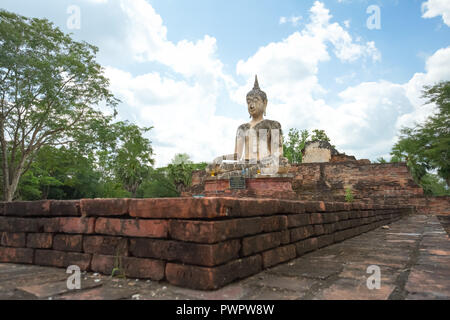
(314, 152)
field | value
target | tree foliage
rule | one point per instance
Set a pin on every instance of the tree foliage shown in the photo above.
(294, 145)
(319, 135)
(180, 171)
(381, 160)
(49, 84)
(426, 146)
(114, 168)
(158, 185)
(131, 160)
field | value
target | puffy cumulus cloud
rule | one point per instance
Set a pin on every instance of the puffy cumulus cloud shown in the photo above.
(434, 8)
(437, 69)
(364, 121)
(288, 69)
(147, 38)
(344, 46)
(367, 120)
(183, 115)
(181, 107)
(291, 65)
(285, 66)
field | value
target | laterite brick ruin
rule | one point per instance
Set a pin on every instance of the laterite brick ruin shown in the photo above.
(195, 243)
(218, 233)
(373, 183)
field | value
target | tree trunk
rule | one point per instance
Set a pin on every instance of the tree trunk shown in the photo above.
(6, 190)
(9, 188)
(7, 194)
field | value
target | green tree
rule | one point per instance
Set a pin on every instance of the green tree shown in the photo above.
(179, 171)
(381, 160)
(49, 84)
(319, 135)
(111, 169)
(158, 185)
(405, 150)
(181, 158)
(132, 160)
(433, 185)
(427, 146)
(294, 145)
(46, 175)
(60, 173)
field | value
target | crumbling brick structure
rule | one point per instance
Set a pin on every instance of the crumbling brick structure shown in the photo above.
(389, 183)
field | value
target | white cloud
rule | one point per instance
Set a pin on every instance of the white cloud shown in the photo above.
(288, 69)
(183, 115)
(294, 20)
(296, 58)
(344, 46)
(181, 109)
(97, 1)
(147, 38)
(363, 121)
(434, 8)
(374, 112)
(366, 118)
(345, 78)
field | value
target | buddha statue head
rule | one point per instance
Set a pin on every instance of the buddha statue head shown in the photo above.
(256, 101)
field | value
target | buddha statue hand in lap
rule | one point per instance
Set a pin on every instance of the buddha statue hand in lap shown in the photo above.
(259, 143)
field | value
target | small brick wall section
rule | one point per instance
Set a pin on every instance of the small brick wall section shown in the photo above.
(195, 243)
(439, 205)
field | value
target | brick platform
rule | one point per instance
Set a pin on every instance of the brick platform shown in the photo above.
(195, 243)
(375, 183)
(256, 187)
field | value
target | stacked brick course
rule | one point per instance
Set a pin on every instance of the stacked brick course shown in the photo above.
(369, 182)
(196, 243)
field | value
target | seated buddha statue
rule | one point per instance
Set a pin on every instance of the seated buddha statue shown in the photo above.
(258, 144)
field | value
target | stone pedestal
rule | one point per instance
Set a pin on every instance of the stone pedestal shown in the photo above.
(267, 167)
(259, 186)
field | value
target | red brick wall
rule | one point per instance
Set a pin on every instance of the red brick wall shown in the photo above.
(276, 187)
(196, 243)
(389, 183)
(439, 205)
(328, 181)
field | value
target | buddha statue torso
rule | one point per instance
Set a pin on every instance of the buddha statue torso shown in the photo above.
(260, 141)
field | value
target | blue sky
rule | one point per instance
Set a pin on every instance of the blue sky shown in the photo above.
(185, 66)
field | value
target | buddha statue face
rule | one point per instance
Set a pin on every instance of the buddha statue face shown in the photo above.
(256, 106)
(256, 101)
